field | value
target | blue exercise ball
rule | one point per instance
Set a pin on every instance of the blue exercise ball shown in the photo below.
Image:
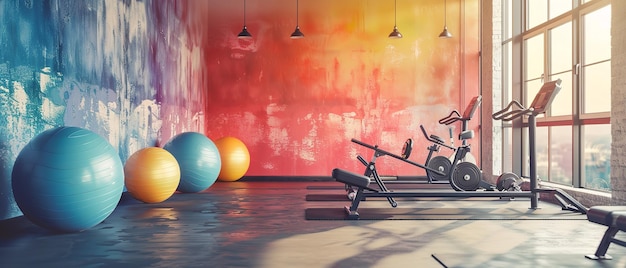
(67, 179)
(198, 158)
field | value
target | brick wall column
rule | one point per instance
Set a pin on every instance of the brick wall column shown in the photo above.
(491, 87)
(618, 102)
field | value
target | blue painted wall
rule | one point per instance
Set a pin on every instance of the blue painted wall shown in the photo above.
(78, 63)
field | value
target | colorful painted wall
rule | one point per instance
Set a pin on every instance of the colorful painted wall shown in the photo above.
(140, 72)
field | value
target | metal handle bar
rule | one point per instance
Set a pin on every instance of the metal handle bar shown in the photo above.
(362, 160)
(433, 140)
(509, 112)
(383, 152)
(451, 118)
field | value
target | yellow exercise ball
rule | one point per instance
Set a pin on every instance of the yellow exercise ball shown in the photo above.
(151, 175)
(235, 158)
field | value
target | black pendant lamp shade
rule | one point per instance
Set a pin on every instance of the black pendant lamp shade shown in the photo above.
(297, 33)
(244, 32)
(395, 33)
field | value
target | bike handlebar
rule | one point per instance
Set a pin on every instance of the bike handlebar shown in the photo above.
(451, 118)
(428, 138)
(512, 111)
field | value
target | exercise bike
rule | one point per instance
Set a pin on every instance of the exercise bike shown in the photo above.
(443, 163)
(461, 174)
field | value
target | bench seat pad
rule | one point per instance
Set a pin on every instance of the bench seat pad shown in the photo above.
(605, 215)
(351, 178)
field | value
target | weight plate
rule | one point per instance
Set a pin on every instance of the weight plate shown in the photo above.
(508, 181)
(440, 163)
(466, 177)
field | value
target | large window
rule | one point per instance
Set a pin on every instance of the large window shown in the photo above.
(568, 40)
(596, 60)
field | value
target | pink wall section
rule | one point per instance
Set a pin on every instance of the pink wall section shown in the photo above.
(297, 103)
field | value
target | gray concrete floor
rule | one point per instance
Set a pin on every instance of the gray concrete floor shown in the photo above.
(262, 224)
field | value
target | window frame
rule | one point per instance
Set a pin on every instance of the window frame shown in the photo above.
(577, 120)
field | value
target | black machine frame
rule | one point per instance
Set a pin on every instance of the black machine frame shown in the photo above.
(514, 110)
(432, 161)
(441, 162)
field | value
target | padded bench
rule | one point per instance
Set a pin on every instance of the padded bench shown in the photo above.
(354, 180)
(351, 178)
(614, 217)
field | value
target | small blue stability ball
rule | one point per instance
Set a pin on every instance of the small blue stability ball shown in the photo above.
(198, 158)
(67, 179)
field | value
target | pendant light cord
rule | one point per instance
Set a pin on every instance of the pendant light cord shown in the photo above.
(445, 13)
(395, 13)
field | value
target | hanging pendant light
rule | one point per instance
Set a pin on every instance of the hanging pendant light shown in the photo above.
(445, 33)
(297, 33)
(244, 32)
(395, 33)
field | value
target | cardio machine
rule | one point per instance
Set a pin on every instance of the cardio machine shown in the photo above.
(514, 110)
(442, 163)
(462, 176)
(467, 176)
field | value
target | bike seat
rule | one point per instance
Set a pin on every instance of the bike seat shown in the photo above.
(437, 139)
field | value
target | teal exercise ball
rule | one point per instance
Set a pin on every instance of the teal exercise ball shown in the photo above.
(67, 179)
(198, 158)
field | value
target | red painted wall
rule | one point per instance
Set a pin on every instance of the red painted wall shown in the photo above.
(297, 103)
